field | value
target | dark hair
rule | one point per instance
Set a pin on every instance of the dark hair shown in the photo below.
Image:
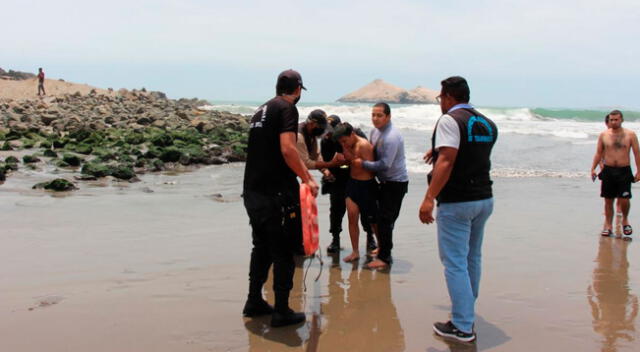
(342, 130)
(385, 107)
(457, 88)
(615, 112)
(606, 118)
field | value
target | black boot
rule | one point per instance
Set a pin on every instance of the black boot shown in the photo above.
(256, 305)
(289, 317)
(256, 308)
(283, 315)
(371, 243)
(334, 247)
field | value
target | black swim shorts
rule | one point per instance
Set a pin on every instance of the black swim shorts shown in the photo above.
(616, 182)
(365, 195)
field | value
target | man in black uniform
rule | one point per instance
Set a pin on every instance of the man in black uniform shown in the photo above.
(334, 182)
(272, 199)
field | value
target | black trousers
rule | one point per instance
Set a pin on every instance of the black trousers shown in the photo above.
(390, 202)
(338, 207)
(274, 240)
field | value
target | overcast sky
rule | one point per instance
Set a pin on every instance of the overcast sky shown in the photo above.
(543, 53)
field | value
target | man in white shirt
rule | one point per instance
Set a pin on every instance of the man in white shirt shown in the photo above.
(461, 149)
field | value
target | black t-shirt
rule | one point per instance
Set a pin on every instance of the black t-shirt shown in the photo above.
(265, 170)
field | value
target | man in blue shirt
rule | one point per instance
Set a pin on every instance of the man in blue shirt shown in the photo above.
(391, 171)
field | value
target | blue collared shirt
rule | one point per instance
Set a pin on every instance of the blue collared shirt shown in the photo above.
(390, 164)
(460, 106)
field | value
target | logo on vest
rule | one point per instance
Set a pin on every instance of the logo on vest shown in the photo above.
(487, 137)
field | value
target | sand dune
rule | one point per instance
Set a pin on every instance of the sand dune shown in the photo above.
(28, 89)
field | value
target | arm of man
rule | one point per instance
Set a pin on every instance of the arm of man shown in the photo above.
(387, 155)
(447, 144)
(441, 173)
(428, 156)
(597, 158)
(338, 160)
(636, 154)
(316, 164)
(366, 151)
(304, 153)
(289, 150)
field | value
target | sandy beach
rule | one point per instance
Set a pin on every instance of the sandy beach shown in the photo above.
(161, 265)
(124, 135)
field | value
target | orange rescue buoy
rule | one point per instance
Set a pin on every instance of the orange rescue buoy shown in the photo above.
(309, 215)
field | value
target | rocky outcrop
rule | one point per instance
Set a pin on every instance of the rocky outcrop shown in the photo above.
(119, 135)
(381, 91)
(376, 91)
(422, 95)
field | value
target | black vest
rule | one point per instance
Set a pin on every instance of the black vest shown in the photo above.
(469, 178)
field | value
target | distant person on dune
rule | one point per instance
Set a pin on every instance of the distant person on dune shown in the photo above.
(613, 147)
(41, 81)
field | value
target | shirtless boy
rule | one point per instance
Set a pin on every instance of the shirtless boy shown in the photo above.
(614, 145)
(362, 187)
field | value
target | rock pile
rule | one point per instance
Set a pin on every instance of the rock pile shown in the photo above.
(15, 75)
(119, 135)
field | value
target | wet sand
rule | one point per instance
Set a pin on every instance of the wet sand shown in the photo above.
(161, 265)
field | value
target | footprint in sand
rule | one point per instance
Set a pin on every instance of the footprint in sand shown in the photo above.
(47, 301)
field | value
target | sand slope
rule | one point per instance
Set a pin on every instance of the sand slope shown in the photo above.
(28, 89)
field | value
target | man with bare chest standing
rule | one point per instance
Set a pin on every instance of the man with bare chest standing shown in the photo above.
(614, 145)
(362, 188)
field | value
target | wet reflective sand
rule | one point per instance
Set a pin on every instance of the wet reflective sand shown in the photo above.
(614, 306)
(119, 268)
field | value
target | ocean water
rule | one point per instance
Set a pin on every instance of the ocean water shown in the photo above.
(532, 142)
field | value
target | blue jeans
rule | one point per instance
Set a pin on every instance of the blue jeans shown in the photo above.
(460, 233)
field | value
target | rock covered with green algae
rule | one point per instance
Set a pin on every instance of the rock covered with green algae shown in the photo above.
(128, 133)
(56, 185)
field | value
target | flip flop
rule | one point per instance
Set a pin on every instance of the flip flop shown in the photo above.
(627, 230)
(606, 233)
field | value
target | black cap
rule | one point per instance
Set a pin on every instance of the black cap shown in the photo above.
(289, 80)
(318, 116)
(334, 120)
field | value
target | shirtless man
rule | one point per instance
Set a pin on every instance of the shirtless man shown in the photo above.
(614, 145)
(362, 187)
(618, 213)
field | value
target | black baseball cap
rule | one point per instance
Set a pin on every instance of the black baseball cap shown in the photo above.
(289, 80)
(318, 116)
(334, 120)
